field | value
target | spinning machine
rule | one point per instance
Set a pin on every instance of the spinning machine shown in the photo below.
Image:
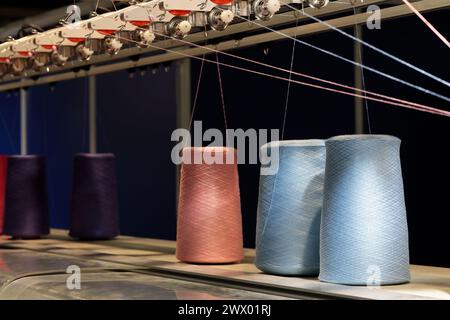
(135, 34)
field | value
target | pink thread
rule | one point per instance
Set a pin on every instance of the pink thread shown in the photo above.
(427, 23)
(209, 222)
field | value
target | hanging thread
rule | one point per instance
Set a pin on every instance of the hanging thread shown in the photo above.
(364, 234)
(197, 90)
(222, 99)
(288, 91)
(289, 207)
(363, 80)
(209, 222)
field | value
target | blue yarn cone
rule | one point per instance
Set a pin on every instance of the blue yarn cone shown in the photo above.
(364, 234)
(290, 202)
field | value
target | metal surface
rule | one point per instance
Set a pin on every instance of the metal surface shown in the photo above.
(122, 286)
(32, 273)
(183, 94)
(19, 263)
(358, 76)
(250, 40)
(92, 114)
(153, 257)
(23, 121)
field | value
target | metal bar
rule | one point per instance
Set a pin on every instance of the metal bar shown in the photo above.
(23, 121)
(359, 107)
(343, 22)
(92, 114)
(183, 94)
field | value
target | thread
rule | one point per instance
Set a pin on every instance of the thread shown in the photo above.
(407, 105)
(26, 213)
(94, 205)
(3, 171)
(383, 74)
(427, 23)
(358, 33)
(197, 91)
(222, 99)
(291, 72)
(364, 234)
(209, 222)
(289, 206)
(288, 91)
(370, 46)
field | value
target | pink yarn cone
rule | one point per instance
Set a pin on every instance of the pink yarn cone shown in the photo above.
(209, 226)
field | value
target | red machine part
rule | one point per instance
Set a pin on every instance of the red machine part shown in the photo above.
(106, 32)
(76, 40)
(222, 2)
(180, 12)
(49, 46)
(140, 23)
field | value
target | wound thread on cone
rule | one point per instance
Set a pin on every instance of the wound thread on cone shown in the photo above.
(94, 207)
(289, 208)
(364, 233)
(26, 205)
(209, 222)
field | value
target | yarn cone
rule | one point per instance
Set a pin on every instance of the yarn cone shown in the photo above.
(364, 233)
(209, 222)
(94, 206)
(289, 208)
(26, 213)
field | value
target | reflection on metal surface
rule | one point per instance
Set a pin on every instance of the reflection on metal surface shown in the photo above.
(154, 262)
(17, 263)
(121, 285)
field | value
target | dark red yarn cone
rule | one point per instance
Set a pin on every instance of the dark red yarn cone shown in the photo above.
(26, 209)
(3, 170)
(94, 207)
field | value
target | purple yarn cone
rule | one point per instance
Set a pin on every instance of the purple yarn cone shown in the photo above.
(94, 208)
(26, 208)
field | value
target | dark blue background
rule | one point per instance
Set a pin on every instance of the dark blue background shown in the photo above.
(136, 117)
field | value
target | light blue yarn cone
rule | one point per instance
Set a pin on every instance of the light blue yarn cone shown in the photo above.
(290, 202)
(364, 234)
